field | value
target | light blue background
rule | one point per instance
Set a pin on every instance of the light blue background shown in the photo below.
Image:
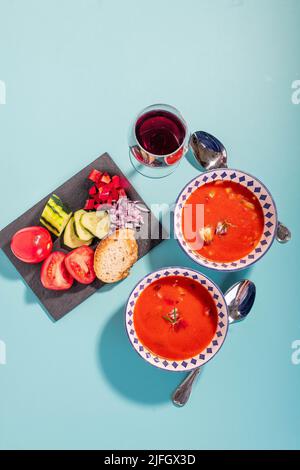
(76, 72)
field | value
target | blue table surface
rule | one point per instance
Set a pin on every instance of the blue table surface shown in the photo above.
(75, 73)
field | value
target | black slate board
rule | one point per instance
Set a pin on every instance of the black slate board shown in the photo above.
(74, 193)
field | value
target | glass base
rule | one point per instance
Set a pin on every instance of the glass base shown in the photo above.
(152, 172)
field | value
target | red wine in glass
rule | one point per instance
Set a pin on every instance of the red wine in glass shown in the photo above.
(160, 132)
(158, 140)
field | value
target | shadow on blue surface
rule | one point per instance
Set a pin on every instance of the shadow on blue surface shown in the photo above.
(128, 373)
(7, 269)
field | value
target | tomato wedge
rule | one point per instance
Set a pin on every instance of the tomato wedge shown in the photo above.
(80, 264)
(54, 274)
(31, 244)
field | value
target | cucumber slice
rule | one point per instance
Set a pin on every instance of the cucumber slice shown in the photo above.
(81, 232)
(70, 238)
(97, 223)
(103, 227)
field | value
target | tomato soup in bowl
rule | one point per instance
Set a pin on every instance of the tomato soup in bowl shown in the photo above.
(225, 219)
(176, 318)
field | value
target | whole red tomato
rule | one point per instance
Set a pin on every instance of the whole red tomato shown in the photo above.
(31, 244)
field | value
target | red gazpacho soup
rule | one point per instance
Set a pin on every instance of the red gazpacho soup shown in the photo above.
(175, 317)
(233, 221)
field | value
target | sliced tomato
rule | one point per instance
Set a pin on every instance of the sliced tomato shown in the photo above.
(80, 264)
(54, 274)
(31, 244)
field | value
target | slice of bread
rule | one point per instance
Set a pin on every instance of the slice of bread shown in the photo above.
(115, 255)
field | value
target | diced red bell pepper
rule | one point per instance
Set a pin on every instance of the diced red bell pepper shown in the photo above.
(109, 186)
(114, 194)
(105, 190)
(89, 205)
(124, 183)
(122, 193)
(105, 178)
(116, 181)
(97, 198)
(101, 184)
(102, 197)
(95, 175)
(93, 190)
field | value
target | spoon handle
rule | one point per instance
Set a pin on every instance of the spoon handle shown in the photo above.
(182, 393)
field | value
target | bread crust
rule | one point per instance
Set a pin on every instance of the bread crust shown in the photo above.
(115, 255)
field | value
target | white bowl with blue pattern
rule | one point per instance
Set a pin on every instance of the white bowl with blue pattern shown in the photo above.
(266, 202)
(188, 363)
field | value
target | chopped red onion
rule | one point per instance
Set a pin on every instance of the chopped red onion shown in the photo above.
(126, 214)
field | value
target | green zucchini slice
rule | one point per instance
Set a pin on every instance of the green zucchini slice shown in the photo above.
(55, 215)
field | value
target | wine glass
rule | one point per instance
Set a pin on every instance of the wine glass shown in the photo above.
(158, 140)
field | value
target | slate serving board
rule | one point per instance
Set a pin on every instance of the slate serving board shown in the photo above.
(73, 192)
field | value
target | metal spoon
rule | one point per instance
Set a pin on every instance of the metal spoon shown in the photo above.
(283, 234)
(208, 150)
(239, 299)
(211, 154)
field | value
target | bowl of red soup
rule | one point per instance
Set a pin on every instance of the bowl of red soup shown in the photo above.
(225, 219)
(176, 319)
